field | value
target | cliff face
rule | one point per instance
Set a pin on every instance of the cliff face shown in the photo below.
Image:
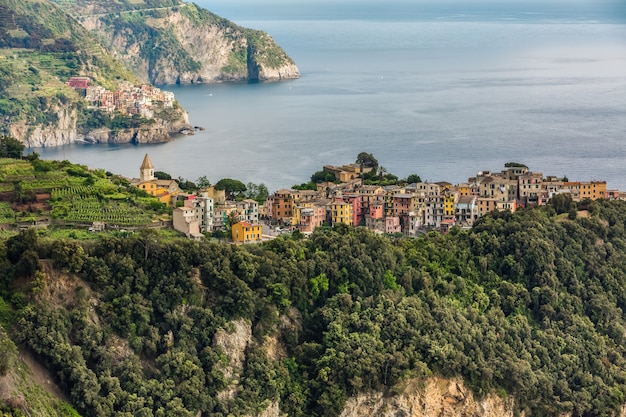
(66, 131)
(432, 397)
(186, 44)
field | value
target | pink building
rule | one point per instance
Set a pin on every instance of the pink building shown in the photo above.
(392, 225)
(312, 217)
(376, 211)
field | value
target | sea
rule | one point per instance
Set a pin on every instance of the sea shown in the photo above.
(442, 89)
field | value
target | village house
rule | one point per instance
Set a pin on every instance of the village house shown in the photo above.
(530, 189)
(248, 211)
(280, 206)
(341, 212)
(79, 82)
(244, 232)
(203, 208)
(356, 200)
(312, 217)
(348, 172)
(466, 211)
(185, 221)
(434, 212)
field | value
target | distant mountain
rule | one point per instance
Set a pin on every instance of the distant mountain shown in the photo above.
(169, 41)
(41, 48)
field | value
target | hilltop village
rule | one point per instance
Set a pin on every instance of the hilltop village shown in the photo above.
(127, 99)
(408, 210)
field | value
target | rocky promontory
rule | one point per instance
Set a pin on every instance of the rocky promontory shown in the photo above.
(66, 130)
(186, 44)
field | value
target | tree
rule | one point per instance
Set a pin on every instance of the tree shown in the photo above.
(17, 245)
(232, 187)
(413, 178)
(381, 172)
(305, 186)
(11, 147)
(367, 160)
(67, 255)
(19, 194)
(514, 165)
(160, 175)
(259, 192)
(186, 185)
(322, 176)
(232, 218)
(203, 182)
(562, 203)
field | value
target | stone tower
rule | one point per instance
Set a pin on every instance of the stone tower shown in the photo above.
(146, 171)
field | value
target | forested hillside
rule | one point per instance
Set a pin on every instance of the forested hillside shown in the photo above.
(526, 305)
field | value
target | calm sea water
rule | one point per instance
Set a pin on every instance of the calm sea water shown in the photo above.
(441, 90)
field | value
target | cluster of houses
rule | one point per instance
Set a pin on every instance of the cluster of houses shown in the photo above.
(127, 99)
(208, 210)
(419, 207)
(410, 210)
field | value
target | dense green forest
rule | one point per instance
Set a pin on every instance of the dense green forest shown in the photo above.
(527, 305)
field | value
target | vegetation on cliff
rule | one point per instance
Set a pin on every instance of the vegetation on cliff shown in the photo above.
(169, 42)
(528, 305)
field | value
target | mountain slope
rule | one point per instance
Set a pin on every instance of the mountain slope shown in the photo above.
(528, 307)
(171, 42)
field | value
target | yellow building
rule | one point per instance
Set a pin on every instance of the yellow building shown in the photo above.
(244, 232)
(341, 212)
(593, 190)
(464, 190)
(161, 189)
(448, 204)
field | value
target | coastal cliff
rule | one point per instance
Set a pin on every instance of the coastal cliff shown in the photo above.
(66, 130)
(186, 44)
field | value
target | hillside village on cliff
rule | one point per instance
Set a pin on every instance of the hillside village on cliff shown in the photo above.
(127, 99)
(408, 210)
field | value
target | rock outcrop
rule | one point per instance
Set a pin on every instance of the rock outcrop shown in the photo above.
(66, 131)
(430, 397)
(234, 345)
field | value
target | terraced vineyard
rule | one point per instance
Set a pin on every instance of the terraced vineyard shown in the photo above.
(6, 213)
(84, 208)
(77, 195)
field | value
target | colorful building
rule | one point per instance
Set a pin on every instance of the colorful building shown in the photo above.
(341, 212)
(244, 232)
